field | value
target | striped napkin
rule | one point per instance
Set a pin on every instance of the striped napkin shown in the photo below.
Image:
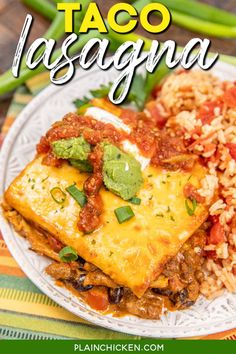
(25, 312)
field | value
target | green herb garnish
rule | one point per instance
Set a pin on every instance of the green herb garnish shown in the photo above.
(191, 205)
(101, 92)
(135, 200)
(136, 95)
(124, 213)
(68, 254)
(58, 195)
(78, 195)
(44, 179)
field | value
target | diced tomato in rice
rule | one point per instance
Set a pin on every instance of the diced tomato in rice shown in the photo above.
(211, 255)
(207, 111)
(229, 97)
(217, 234)
(232, 149)
(214, 218)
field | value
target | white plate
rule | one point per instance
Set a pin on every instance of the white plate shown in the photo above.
(205, 317)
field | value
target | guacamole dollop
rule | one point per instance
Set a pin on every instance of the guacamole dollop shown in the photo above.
(122, 173)
(82, 165)
(73, 148)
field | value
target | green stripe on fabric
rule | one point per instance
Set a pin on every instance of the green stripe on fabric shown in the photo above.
(12, 333)
(21, 98)
(18, 283)
(39, 82)
(16, 108)
(22, 90)
(58, 327)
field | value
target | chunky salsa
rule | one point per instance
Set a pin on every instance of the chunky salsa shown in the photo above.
(147, 132)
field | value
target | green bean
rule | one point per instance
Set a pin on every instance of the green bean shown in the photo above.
(195, 24)
(55, 31)
(9, 83)
(204, 27)
(43, 7)
(147, 45)
(202, 11)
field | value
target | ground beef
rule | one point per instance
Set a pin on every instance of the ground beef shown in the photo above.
(148, 306)
(183, 272)
(63, 271)
(191, 192)
(171, 153)
(98, 278)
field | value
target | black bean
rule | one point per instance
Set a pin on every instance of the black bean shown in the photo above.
(78, 284)
(189, 303)
(183, 295)
(164, 292)
(179, 296)
(115, 295)
(80, 260)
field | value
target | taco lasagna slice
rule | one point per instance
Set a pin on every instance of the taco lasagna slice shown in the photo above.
(125, 239)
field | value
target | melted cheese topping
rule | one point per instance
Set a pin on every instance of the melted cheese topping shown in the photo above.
(134, 253)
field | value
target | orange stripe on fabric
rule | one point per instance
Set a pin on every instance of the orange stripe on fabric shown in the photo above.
(8, 261)
(7, 124)
(5, 253)
(12, 271)
(2, 244)
(222, 335)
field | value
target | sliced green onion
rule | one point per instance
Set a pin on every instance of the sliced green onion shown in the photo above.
(68, 254)
(123, 213)
(190, 208)
(202, 11)
(78, 195)
(135, 200)
(58, 195)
